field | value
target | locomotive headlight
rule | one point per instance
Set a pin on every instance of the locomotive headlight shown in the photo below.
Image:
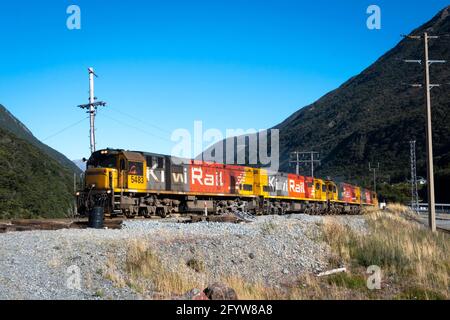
(108, 192)
(77, 194)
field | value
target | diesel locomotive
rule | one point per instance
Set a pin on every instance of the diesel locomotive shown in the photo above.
(132, 183)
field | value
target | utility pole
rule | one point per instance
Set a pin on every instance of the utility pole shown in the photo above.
(430, 171)
(414, 191)
(309, 157)
(429, 131)
(75, 211)
(92, 108)
(374, 176)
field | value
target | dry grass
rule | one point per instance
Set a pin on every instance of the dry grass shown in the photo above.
(415, 265)
(113, 273)
(248, 291)
(397, 208)
(145, 273)
(414, 259)
(143, 264)
(54, 262)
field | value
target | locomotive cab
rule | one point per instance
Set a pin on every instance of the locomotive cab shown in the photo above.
(132, 167)
(110, 169)
(101, 171)
(108, 174)
(332, 193)
(320, 190)
(375, 199)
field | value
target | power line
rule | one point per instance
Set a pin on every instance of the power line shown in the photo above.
(140, 120)
(64, 129)
(136, 128)
(309, 157)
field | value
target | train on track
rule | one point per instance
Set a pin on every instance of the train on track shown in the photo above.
(130, 183)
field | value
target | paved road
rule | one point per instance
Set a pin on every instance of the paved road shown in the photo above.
(442, 220)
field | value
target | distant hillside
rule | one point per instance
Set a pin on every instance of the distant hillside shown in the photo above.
(373, 116)
(32, 184)
(80, 164)
(12, 124)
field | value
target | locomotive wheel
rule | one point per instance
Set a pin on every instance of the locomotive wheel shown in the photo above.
(161, 212)
(144, 212)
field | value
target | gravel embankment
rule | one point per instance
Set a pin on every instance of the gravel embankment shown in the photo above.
(37, 264)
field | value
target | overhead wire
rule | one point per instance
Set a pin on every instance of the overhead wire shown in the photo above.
(136, 128)
(140, 120)
(64, 129)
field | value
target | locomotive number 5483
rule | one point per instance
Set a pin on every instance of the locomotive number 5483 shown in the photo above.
(137, 179)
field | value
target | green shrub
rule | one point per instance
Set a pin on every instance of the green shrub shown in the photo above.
(418, 293)
(347, 280)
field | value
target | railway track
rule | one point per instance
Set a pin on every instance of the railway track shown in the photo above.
(109, 223)
(116, 223)
(52, 224)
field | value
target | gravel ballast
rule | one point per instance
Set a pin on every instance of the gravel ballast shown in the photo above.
(272, 250)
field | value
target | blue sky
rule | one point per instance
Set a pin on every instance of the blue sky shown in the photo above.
(165, 64)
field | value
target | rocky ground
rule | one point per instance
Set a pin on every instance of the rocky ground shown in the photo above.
(46, 264)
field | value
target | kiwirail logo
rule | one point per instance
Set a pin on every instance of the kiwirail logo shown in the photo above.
(235, 147)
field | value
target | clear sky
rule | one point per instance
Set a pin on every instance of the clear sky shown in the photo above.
(164, 64)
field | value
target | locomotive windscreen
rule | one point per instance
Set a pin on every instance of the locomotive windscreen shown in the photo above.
(102, 161)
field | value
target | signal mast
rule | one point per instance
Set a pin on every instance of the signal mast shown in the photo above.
(92, 108)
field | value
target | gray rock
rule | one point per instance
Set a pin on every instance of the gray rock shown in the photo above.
(218, 291)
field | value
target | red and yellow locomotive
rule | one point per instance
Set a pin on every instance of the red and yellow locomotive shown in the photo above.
(145, 184)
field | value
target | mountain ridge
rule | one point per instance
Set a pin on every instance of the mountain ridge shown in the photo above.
(382, 82)
(12, 124)
(373, 115)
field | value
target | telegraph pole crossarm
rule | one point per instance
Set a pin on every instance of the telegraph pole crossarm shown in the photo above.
(95, 104)
(309, 157)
